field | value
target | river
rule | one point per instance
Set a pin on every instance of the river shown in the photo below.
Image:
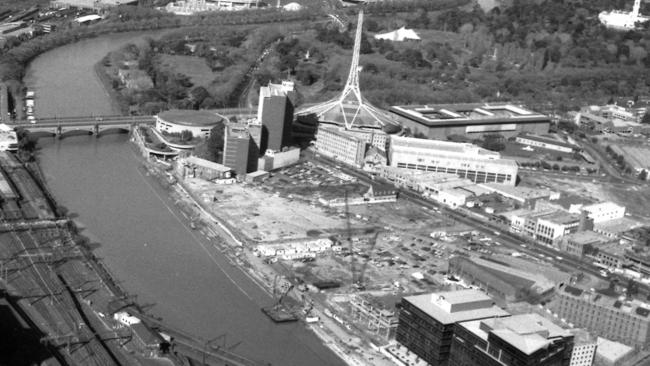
(144, 240)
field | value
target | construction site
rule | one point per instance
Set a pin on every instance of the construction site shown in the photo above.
(343, 269)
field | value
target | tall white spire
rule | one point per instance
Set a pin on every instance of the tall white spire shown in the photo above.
(350, 108)
(636, 8)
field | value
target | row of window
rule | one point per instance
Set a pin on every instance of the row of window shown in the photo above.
(474, 176)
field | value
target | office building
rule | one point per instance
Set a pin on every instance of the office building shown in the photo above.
(336, 143)
(604, 211)
(471, 121)
(583, 242)
(466, 160)
(239, 151)
(275, 112)
(614, 318)
(427, 322)
(518, 340)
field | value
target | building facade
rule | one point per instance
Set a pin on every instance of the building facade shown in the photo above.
(613, 318)
(239, 150)
(465, 160)
(470, 120)
(427, 322)
(604, 211)
(335, 143)
(275, 112)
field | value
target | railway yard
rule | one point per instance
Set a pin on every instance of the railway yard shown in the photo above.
(67, 294)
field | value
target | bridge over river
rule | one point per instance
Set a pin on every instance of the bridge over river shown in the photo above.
(96, 124)
(59, 126)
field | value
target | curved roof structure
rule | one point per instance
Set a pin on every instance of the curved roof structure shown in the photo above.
(190, 117)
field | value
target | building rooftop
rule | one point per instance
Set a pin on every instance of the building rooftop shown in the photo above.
(190, 117)
(467, 114)
(457, 150)
(569, 201)
(526, 332)
(560, 217)
(519, 193)
(587, 237)
(340, 131)
(635, 308)
(277, 89)
(443, 146)
(457, 306)
(207, 164)
(546, 139)
(237, 130)
(612, 351)
(616, 226)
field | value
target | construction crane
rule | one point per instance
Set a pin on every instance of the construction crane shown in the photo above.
(373, 242)
(348, 230)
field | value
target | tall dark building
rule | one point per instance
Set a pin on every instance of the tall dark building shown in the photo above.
(518, 340)
(275, 111)
(427, 322)
(240, 151)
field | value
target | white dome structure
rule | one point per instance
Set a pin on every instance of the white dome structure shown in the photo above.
(292, 7)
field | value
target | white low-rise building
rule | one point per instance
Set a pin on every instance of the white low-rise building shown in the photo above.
(126, 318)
(336, 143)
(604, 211)
(295, 249)
(465, 160)
(8, 138)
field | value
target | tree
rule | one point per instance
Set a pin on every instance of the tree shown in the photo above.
(643, 175)
(186, 135)
(214, 144)
(494, 142)
(646, 118)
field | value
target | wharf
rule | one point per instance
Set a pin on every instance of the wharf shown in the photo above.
(279, 314)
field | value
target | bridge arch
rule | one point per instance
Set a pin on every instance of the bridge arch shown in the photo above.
(109, 130)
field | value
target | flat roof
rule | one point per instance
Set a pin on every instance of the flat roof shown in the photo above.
(526, 332)
(547, 140)
(190, 117)
(588, 237)
(456, 306)
(446, 146)
(468, 114)
(560, 217)
(519, 192)
(207, 164)
(634, 308)
(448, 149)
(610, 350)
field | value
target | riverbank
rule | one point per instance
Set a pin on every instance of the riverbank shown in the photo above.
(236, 247)
(118, 103)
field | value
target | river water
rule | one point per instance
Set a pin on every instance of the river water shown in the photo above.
(144, 240)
